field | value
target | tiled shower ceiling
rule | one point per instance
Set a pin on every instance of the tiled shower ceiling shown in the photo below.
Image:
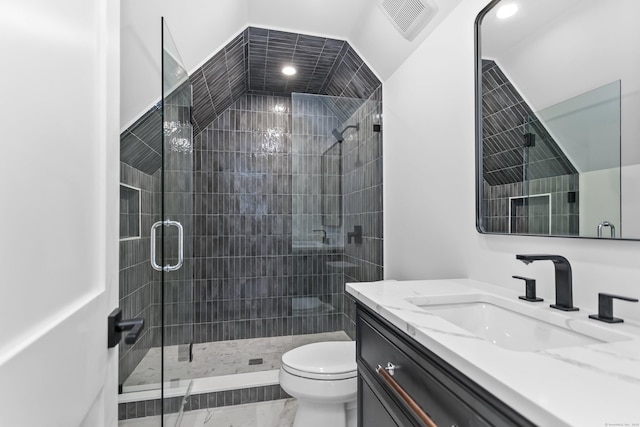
(313, 57)
(252, 63)
(504, 114)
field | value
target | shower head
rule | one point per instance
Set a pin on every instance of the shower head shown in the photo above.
(339, 135)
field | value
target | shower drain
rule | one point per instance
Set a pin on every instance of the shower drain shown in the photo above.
(258, 361)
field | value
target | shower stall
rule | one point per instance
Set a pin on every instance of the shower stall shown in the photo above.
(250, 222)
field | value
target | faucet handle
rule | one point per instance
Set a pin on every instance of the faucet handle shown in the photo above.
(605, 308)
(325, 239)
(530, 289)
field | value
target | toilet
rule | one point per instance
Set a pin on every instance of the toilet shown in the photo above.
(323, 378)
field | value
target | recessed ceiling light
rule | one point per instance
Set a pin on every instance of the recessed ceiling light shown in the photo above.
(288, 70)
(507, 10)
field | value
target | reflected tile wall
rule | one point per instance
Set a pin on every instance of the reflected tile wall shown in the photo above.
(504, 117)
(534, 217)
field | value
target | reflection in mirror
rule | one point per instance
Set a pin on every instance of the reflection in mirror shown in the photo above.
(556, 103)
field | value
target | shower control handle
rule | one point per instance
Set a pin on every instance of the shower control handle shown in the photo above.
(167, 267)
(116, 326)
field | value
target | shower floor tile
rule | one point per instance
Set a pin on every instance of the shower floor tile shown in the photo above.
(222, 358)
(277, 413)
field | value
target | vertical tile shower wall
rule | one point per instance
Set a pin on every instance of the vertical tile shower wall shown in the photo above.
(316, 290)
(140, 284)
(362, 194)
(178, 206)
(257, 197)
(137, 278)
(242, 205)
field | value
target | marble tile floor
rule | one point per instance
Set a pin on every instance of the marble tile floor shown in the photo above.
(276, 413)
(222, 358)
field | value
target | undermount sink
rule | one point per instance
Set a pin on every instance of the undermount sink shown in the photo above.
(513, 325)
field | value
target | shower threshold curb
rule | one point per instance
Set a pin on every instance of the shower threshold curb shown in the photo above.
(200, 386)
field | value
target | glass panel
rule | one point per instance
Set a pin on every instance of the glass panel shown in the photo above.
(262, 285)
(334, 181)
(177, 247)
(572, 166)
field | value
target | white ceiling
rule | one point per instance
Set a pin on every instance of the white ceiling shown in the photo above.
(533, 17)
(201, 27)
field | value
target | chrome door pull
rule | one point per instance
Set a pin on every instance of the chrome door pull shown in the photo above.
(167, 267)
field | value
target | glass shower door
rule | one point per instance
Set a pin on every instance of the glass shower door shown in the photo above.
(176, 230)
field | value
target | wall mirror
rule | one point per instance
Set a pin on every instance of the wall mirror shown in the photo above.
(557, 118)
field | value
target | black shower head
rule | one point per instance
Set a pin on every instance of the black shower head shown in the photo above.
(338, 135)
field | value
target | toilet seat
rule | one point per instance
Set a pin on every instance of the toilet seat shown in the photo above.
(333, 360)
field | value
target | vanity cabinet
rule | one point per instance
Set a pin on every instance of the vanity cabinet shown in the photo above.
(447, 396)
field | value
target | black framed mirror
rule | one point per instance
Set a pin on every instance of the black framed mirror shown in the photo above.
(557, 101)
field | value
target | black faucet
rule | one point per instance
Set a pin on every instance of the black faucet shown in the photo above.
(564, 293)
(325, 239)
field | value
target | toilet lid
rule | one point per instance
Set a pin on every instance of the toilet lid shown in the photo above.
(331, 360)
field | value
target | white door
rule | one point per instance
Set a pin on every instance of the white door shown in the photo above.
(59, 148)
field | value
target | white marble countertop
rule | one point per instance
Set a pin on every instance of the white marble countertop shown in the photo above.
(591, 385)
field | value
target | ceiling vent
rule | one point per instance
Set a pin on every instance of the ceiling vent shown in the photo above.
(409, 16)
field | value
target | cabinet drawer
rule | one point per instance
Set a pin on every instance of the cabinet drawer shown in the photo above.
(446, 395)
(377, 413)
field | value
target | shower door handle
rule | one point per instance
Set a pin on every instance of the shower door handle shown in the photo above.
(167, 267)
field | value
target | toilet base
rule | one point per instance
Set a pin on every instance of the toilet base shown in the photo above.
(314, 414)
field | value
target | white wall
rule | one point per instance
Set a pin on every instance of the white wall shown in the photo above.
(428, 158)
(599, 201)
(199, 27)
(429, 186)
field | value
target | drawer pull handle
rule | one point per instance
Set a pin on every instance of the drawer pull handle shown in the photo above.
(390, 368)
(417, 410)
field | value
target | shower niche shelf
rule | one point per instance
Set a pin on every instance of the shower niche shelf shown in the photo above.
(130, 216)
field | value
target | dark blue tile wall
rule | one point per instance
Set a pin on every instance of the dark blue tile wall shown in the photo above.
(137, 279)
(362, 193)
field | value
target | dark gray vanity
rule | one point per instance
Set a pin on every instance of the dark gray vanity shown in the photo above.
(446, 395)
(469, 353)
